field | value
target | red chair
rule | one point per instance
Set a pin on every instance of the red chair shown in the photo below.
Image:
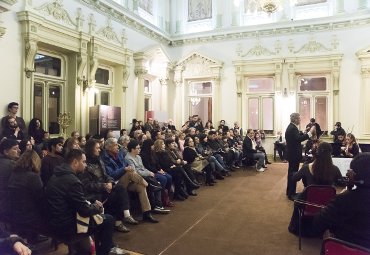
(333, 246)
(317, 197)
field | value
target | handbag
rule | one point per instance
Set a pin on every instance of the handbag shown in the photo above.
(153, 184)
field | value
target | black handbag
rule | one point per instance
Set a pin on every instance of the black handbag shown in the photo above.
(153, 184)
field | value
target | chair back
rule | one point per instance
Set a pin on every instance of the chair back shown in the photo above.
(333, 246)
(319, 195)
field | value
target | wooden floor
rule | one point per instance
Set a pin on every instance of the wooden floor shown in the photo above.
(247, 213)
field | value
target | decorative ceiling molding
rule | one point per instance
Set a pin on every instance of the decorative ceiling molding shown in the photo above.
(272, 32)
(56, 10)
(116, 12)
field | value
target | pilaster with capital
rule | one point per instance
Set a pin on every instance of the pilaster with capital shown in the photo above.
(335, 75)
(164, 93)
(217, 104)
(140, 72)
(239, 98)
(179, 97)
(365, 92)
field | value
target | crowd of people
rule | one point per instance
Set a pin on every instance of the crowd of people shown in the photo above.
(81, 184)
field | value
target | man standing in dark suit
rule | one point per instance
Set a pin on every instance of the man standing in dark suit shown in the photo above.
(293, 138)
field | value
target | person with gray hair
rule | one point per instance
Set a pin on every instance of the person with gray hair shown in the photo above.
(117, 168)
(293, 138)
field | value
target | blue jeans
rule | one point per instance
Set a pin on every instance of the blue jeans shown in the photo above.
(165, 180)
(260, 157)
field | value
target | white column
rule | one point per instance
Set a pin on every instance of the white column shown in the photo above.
(164, 94)
(365, 92)
(140, 71)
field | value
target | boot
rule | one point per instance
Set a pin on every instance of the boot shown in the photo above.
(218, 176)
(188, 180)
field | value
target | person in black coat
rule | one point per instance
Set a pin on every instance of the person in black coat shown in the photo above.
(65, 198)
(293, 139)
(347, 216)
(12, 244)
(26, 197)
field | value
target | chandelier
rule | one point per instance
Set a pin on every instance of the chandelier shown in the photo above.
(269, 6)
(195, 100)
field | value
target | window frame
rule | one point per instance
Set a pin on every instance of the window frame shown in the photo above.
(260, 96)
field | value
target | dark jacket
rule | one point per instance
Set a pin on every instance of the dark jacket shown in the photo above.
(7, 242)
(93, 180)
(308, 179)
(248, 147)
(348, 217)
(150, 161)
(48, 164)
(293, 139)
(164, 160)
(26, 197)
(189, 155)
(115, 168)
(65, 197)
(6, 167)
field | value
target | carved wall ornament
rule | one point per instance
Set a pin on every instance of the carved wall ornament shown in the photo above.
(312, 46)
(31, 50)
(258, 50)
(108, 33)
(56, 10)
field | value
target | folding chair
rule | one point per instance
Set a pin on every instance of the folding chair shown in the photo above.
(317, 197)
(334, 246)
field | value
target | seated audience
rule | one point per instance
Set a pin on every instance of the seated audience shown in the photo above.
(53, 159)
(9, 153)
(36, 131)
(119, 170)
(348, 215)
(250, 151)
(197, 162)
(222, 127)
(70, 144)
(66, 200)
(151, 163)
(11, 129)
(351, 148)
(98, 185)
(133, 159)
(26, 197)
(258, 139)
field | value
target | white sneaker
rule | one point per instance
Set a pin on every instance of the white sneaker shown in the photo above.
(261, 169)
(118, 251)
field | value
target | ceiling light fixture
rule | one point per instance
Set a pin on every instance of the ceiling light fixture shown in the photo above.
(269, 6)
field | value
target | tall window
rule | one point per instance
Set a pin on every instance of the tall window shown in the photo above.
(103, 86)
(260, 94)
(48, 90)
(200, 100)
(313, 95)
(147, 95)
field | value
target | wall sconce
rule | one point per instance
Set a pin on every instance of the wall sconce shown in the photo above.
(285, 92)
